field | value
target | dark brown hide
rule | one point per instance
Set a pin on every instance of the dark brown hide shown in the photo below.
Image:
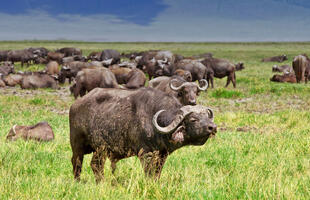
(124, 125)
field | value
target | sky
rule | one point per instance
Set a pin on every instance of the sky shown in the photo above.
(156, 20)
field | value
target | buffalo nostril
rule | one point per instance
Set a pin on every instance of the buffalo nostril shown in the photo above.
(212, 128)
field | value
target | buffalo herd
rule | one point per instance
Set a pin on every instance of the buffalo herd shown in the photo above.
(114, 115)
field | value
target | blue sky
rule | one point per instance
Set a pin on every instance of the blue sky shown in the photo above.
(156, 20)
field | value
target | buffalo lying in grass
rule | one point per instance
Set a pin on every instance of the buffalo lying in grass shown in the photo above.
(285, 78)
(275, 59)
(40, 132)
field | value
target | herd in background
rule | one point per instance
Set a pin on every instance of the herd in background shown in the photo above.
(111, 69)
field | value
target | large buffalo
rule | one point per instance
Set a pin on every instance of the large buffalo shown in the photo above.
(70, 51)
(222, 68)
(88, 79)
(147, 123)
(38, 80)
(42, 131)
(186, 92)
(275, 59)
(301, 65)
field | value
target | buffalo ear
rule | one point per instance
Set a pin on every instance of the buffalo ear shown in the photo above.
(178, 135)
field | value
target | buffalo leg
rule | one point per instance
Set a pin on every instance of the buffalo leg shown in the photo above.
(211, 80)
(113, 164)
(234, 80)
(77, 161)
(153, 163)
(228, 80)
(97, 164)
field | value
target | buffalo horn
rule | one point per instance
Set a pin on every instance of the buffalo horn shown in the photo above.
(204, 87)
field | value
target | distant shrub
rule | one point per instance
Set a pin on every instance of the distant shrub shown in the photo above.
(224, 93)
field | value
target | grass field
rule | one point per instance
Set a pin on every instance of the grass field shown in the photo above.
(261, 151)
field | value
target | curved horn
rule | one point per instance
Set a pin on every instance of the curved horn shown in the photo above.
(179, 87)
(14, 131)
(204, 87)
(174, 124)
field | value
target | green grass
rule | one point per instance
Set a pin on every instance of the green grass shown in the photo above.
(261, 150)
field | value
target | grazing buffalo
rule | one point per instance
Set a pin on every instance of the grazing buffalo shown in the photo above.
(222, 68)
(132, 78)
(285, 78)
(88, 79)
(284, 68)
(38, 80)
(52, 68)
(275, 59)
(70, 70)
(110, 55)
(70, 51)
(13, 79)
(147, 123)
(301, 65)
(42, 131)
(186, 92)
(7, 69)
(55, 56)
